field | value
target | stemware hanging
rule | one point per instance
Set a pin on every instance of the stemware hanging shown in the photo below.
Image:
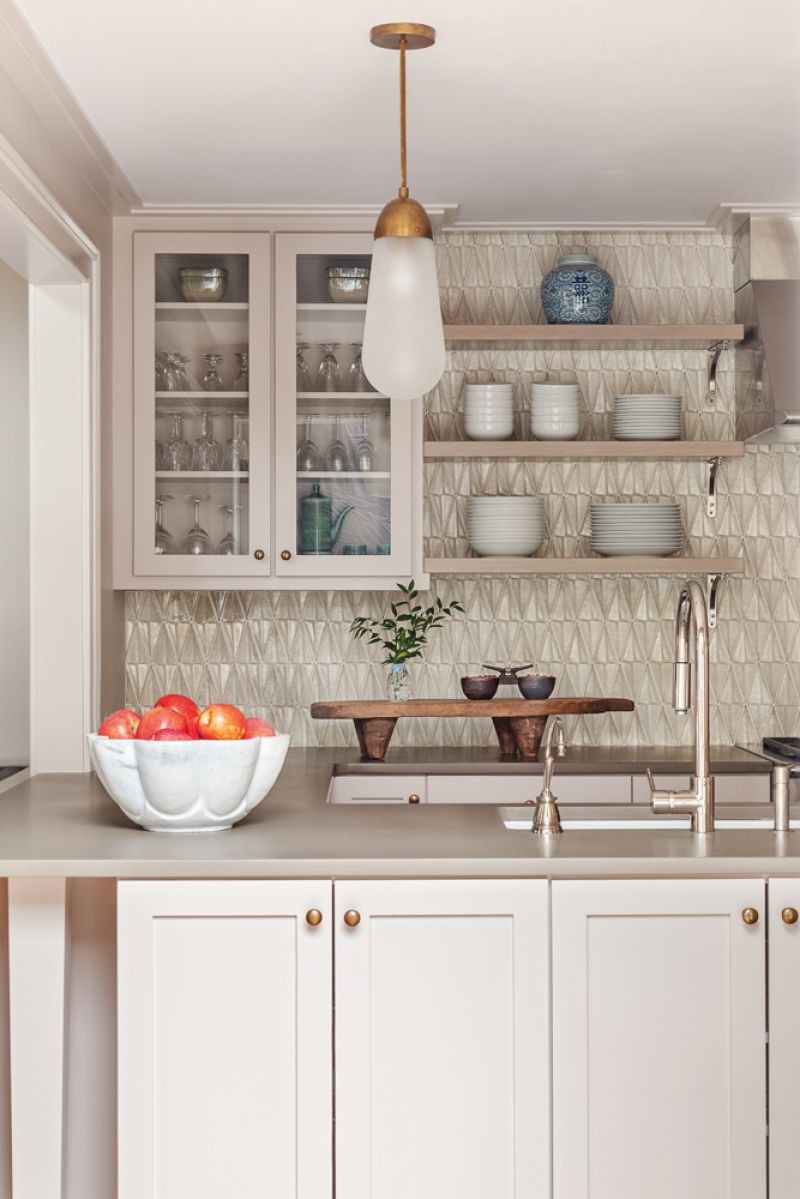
(197, 540)
(303, 373)
(177, 451)
(337, 457)
(308, 458)
(163, 542)
(329, 377)
(235, 455)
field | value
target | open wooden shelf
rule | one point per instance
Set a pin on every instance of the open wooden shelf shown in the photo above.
(676, 450)
(584, 566)
(609, 336)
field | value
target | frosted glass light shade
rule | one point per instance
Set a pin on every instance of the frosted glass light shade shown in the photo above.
(403, 351)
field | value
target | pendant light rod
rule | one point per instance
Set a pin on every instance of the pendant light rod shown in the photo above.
(403, 136)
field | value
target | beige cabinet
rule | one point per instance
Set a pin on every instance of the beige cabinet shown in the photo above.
(659, 1068)
(235, 470)
(224, 994)
(442, 1056)
(784, 1037)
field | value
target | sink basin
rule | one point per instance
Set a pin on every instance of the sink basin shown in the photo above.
(521, 819)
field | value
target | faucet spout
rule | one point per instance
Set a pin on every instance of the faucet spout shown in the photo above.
(698, 801)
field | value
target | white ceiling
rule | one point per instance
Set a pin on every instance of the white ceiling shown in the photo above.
(560, 111)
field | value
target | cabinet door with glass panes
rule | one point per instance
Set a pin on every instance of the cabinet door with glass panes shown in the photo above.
(201, 404)
(345, 469)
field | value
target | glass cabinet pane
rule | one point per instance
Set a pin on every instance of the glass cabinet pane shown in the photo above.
(202, 405)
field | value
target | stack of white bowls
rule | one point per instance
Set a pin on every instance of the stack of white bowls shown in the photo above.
(647, 418)
(488, 411)
(622, 529)
(505, 525)
(555, 414)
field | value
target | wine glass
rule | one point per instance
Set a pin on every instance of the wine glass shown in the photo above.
(206, 449)
(212, 381)
(229, 544)
(356, 379)
(160, 372)
(174, 376)
(163, 538)
(235, 455)
(308, 454)
(242, 380)
(329, 377)
(159, 455)
(364, 454)
(337, 457)
(303, 373)
(177, 452)
(197, 540)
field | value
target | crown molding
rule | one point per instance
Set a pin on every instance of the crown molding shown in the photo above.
(366, 214)
(575, 226)
(34, 75)
(728, 217)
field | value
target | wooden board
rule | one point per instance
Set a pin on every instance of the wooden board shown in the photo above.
(594, 335)
(519, 723)
(360, 709)
(638, 565)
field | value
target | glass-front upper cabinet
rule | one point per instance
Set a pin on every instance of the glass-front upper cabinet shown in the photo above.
(344, 469)
(201, 404)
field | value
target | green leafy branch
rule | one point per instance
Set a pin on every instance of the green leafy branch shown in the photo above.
(404, 635)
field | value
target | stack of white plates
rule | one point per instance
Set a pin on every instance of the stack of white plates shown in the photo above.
(647, 418)
(488, 411)
(555, 412)
(505, 525)
(621, 529)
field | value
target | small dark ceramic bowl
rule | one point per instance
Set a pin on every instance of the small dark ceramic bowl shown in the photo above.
(536, 686)
(479, 686)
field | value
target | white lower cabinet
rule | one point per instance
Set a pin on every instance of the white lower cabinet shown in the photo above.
(659, 1064)
(442, 1055)
(224, 1001)
(784, 1038)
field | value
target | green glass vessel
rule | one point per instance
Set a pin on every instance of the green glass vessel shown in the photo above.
(319, 532)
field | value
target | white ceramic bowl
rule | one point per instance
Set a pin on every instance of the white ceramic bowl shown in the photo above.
(505, 547)
(188, 786)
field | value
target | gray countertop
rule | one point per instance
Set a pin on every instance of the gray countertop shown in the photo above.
(65, 825)
(460, 759)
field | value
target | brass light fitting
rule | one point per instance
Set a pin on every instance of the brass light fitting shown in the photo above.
(403, 217)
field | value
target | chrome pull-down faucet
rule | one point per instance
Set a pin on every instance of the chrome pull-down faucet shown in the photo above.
(698, 801)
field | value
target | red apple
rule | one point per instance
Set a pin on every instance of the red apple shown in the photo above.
(171, 735)
(222, 722)
(257, 728)
(191, 724)
(160, 718)
(179, 703)
(120, 725)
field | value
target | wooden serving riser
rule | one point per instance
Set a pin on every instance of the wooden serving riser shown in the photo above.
(519, 723)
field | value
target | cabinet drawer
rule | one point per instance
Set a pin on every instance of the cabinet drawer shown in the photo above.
(728, 788)
(518, 788)
(382, 788)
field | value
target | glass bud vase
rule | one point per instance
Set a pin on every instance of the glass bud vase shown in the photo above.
(398, 683)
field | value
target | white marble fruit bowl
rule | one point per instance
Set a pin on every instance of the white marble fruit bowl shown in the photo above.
(188, 786)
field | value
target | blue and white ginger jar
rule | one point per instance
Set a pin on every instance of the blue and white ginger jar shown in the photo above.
(577, 292)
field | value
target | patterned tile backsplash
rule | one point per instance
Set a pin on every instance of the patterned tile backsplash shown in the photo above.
(276, 652)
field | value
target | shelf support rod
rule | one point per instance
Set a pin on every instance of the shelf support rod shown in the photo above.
(714, 354)
(714, 586)
(711, 496)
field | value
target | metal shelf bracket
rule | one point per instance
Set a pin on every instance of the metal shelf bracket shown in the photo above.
(711, 494)
(714, 585)
(714, 352)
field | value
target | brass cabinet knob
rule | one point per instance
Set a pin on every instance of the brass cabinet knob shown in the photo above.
(750, 916)
(413, 798)
(789, 915)
(352, 918)
(258, 555)
(314, 917)
(286, 555)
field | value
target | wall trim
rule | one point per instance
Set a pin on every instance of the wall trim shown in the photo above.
(24, 60)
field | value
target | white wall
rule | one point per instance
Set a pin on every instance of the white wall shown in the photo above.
(14, 520)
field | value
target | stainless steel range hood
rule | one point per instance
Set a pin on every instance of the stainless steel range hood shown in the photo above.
(767, 299)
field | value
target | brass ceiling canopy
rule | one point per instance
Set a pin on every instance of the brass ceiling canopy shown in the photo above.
(403, 217)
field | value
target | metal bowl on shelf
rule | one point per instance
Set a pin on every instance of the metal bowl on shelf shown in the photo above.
(206, 285)
(536, 686)
(348, 284)
(480, 686)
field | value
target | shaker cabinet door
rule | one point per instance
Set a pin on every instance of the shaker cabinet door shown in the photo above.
(442, 1059)
(224, 1040)
(784, 1038)
(659, 1073)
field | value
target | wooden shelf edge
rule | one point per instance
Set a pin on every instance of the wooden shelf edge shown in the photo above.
(612, 334)
(584, 566)
(676, 450)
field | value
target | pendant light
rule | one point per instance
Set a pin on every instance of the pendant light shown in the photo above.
(403, 352)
